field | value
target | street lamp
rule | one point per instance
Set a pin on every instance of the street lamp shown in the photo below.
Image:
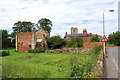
(104, 27)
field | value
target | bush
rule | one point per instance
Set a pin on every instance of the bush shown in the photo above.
(4, 53)
(38, 44)
(56, 42)
(114, 38)
(79, 70)
(29, 51)
(95, 38)
(76, 42)
(36, 51)
(96, 49)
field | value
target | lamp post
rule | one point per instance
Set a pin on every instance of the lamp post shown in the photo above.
(104, 27)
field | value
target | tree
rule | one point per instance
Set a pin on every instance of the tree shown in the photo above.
(46, 24)
(76, 42)
(56, 42)
(23, 27)
(114, 38)
(95, 38)
(6, 43)
(110, 39)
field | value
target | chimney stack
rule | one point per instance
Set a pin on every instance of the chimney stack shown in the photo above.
(90, 34)
(66, 33)
(84, 32)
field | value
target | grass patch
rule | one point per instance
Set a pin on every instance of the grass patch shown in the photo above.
(43, 65)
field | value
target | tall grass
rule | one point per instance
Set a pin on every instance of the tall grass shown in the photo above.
(43, 65)
(81, 69)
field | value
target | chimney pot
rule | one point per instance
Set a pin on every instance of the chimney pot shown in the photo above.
(66, 33)
(90, 33)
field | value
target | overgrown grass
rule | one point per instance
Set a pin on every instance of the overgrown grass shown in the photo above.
(82, 70)
(44, 65)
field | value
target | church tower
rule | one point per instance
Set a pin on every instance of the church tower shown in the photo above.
(74, 30)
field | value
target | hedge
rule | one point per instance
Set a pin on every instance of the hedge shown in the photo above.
(4, 53)
(36, 51)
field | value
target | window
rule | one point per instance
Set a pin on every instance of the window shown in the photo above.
(43, 35)
(29, 46)
(73, 30)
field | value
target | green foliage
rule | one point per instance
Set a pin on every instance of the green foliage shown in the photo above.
(56, 42)
(46, 65)
(66, 43)
(38, 44)
(96, 49)
(29, 51)
(110, 39)
(83, 69)
(114, 38)
(6, 43)
(78, 69)
(95, 38)
(4, 53)
(23, 27)
(76, 42)
(46, 24)
(36, 51)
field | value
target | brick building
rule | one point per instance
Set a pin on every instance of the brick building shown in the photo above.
(25, 41)
(29, 40)
(74, 33)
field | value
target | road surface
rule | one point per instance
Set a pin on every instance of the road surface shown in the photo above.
(114, 52)
(111, 68)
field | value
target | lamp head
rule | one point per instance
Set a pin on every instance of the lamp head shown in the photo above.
(111, 10)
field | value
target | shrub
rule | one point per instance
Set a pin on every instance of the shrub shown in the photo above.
(83, 69)
(76, 42)
(56, 42)
(4, 53)
(95, 38)
(114, 38)
(97, 49)
(38, 44)
(29, 51)
(36, 51)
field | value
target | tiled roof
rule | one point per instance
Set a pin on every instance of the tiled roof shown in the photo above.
(75, 35)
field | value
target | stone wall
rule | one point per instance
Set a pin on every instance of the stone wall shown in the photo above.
(69, 50)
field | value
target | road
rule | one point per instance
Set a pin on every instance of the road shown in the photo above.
(111, 68)
(114, 52)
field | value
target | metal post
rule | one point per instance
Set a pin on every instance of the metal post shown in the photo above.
(103, 31)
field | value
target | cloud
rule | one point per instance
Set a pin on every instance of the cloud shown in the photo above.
(63, 13)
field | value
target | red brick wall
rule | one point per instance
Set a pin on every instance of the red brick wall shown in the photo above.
(90, 44)
(24, 40)
(86, 39)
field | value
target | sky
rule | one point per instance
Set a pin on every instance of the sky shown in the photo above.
(64, 14)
